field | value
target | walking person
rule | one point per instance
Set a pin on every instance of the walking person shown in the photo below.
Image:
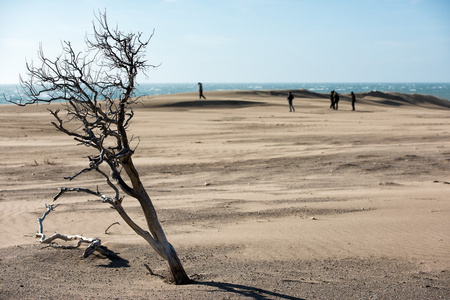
(353, 101)
(200, 91)
(332, 99)
(336, 100)
(290, 97)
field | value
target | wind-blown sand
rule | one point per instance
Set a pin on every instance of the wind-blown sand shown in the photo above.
(258, 202)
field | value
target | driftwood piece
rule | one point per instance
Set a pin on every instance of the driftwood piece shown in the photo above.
(115, 223)
(94, 243)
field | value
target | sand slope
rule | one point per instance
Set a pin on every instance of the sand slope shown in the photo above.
(258, 202)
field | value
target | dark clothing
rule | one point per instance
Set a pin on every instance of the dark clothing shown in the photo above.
(200, 91)
(290, 97)
(336, 100)
(353, 101)
(332, 100)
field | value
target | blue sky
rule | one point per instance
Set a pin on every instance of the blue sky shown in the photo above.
(248, 40)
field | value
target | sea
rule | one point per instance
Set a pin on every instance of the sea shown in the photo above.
(437, 89)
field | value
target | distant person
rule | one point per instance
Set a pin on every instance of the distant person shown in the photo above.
(332, 99)
(353, 100)
(290, 97)
(200, 91)
(336, 100)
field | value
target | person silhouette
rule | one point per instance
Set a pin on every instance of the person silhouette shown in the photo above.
(336, 100)
(200, 91)
(290, 97)
(353, 100)
(332, 99)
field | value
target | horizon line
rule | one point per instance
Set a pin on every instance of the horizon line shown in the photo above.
(273, 82)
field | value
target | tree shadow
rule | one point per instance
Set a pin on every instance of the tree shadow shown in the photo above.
(247, 291)
(115, 261)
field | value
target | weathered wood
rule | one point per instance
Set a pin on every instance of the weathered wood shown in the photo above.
(115, 223)
(96, 89)
(94, 243)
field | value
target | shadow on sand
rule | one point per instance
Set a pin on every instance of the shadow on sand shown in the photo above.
(114, 260)
(247, 291)
(214, 103)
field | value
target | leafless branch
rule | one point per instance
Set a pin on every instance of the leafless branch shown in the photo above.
(115, 223)
(96, 89)
(94, 243)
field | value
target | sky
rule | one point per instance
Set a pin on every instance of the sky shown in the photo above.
(234, 41)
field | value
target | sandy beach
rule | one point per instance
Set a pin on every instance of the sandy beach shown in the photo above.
(259, 203)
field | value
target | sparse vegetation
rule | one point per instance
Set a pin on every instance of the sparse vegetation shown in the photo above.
(96, 90)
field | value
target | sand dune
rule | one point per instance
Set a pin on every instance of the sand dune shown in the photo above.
(258, 202)
(246, 98)
(396, 99)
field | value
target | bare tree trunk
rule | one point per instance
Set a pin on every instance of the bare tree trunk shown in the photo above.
(97, 89)
(177, 272)
(158, 238)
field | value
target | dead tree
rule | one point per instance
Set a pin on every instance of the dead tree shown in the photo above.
(96, 89)
(94, 243)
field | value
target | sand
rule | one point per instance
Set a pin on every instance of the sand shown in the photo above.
(259, 202)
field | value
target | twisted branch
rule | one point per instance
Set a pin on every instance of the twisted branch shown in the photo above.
(94, 243)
